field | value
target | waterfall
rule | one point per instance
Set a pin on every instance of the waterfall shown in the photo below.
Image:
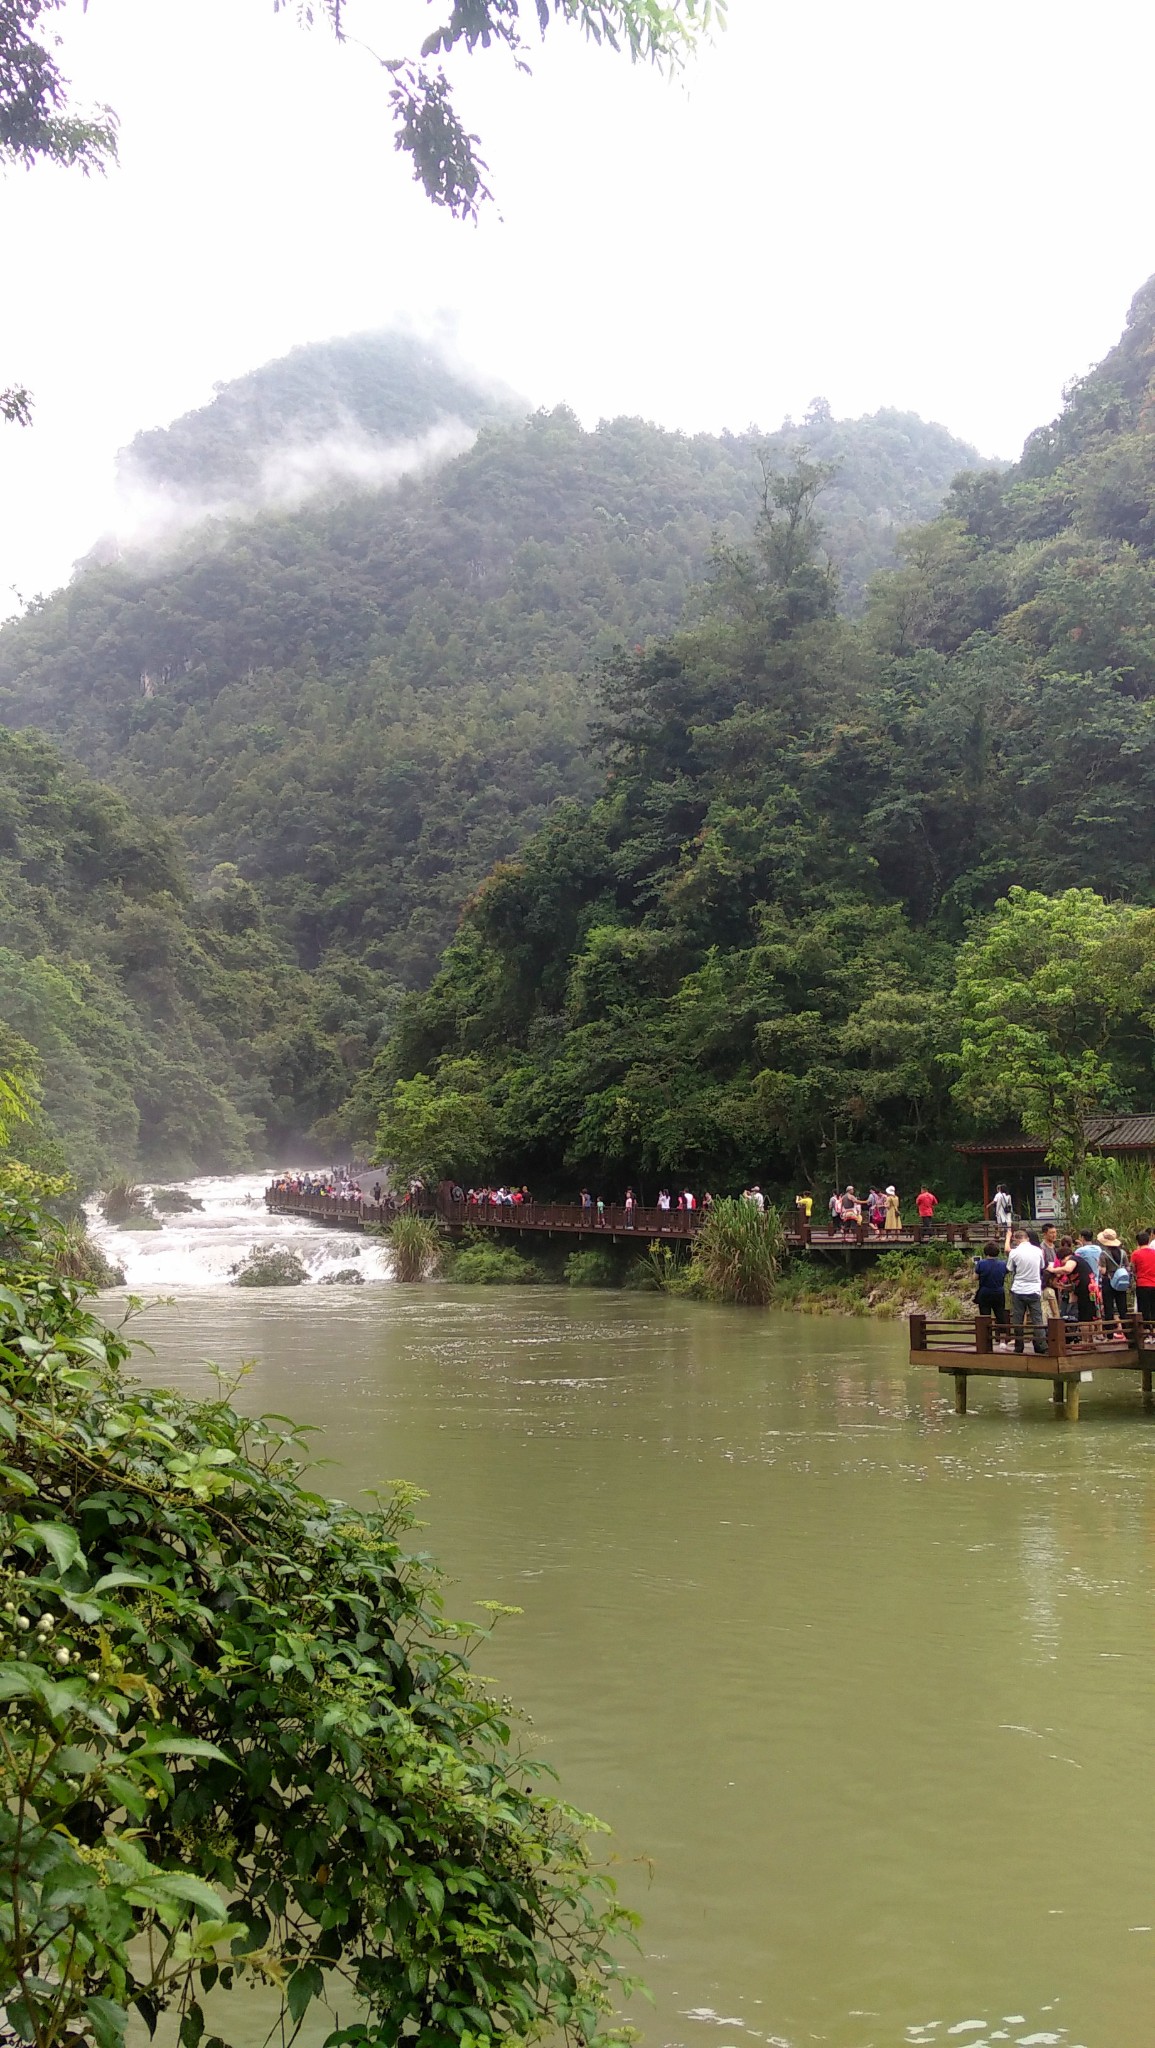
(197, 1248)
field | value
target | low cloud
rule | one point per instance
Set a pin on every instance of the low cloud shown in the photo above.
(150, 516)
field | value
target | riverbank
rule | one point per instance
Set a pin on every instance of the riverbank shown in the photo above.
(936, 1281)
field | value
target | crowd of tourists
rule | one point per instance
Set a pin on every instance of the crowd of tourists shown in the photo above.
(337, 1183)
(1037, 1273)
(879, 1209)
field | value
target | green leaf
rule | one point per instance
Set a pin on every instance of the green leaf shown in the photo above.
(163, 1886)
(109, 2021)
(62, 1543)
(192, 2026)
(303, 1986)
(181, 1745)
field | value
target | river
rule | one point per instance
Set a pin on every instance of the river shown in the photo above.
(866, 1690)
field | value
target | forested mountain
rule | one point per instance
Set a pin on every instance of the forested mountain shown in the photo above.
(170, 1030)
(367, 702)
(345, 714)
(364, 389)
(740, 957)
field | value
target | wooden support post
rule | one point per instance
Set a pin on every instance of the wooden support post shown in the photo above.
(1072, 1400)
(960, 1393)
(918, 1333)
(983, 1339)
(1059, 1393)
(1147, 1386)
(1057, 1338)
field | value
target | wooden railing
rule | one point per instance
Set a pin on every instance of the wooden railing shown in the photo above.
(930, 1335)
(615, 1219)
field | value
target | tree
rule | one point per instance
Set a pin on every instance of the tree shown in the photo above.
(445, 156)
(439, 1127)
(1049, 1001)
(37, 121)
(239, 1740)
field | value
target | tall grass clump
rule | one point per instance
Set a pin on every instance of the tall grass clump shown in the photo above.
(123, 1202)
(72, 1255)
(1115, 1193)
(659, 1270)
(415, 1247)
(738, 1253)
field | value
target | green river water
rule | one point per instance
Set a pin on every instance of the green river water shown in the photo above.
(865, 1690)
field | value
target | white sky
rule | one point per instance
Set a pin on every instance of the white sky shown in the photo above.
(888, 202)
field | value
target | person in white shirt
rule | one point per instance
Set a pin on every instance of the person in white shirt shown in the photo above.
(1025, 1272)
(1004, 1208)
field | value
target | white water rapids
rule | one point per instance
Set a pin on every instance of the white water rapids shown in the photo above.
(198, 1248)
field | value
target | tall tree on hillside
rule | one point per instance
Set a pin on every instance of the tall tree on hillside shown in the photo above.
(1053, 1014)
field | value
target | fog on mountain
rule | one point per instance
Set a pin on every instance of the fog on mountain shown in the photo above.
(717, 825)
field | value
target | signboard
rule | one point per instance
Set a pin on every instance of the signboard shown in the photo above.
(1048, 1198)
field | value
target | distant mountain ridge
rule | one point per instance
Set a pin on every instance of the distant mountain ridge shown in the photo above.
(360, 705)
(385, 387)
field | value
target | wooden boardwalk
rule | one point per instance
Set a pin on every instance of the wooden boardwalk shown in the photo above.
(1076, 1352)
(552, 1219)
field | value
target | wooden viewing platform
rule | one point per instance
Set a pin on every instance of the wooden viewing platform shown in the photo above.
(553, 1218)
(965, 1348)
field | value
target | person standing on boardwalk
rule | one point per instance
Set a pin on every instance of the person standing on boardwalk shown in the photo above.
(893, 1214)
(1003, 1208)
(1114, 1280)
(926, 1204)
(1025, 1267)
(631, 1205)
(990, 1294)
(804, 1206)
(1088, 1298)
(850, 1212)
(1143, 1273)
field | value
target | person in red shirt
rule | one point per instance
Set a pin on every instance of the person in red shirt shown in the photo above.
(926, 1204)
(1143, 1268)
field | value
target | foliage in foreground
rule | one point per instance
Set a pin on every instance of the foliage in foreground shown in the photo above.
(239, 1739)
(738, 1252)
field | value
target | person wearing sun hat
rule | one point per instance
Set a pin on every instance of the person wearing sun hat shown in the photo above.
(1114, 1279)
(893, 1217)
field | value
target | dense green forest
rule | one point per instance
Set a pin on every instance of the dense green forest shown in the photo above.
(365, 703)
(743, 955)
(168, 1029)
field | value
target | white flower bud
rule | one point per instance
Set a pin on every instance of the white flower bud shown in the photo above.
(22, 1621)
(62, 1656)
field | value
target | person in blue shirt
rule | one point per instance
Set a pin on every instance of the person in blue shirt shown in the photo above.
(991, 1298)
(1088, 1258)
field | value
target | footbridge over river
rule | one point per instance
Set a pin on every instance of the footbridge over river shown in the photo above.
(615, 1223)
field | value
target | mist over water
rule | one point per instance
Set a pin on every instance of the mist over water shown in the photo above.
(198, 1249)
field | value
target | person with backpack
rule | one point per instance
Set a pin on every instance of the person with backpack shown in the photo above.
(1114, 1281)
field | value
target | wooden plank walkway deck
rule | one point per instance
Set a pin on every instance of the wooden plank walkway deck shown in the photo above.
(968, 1349)
(554, 1218)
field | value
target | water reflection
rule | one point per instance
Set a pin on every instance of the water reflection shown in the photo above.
(868, 1684)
